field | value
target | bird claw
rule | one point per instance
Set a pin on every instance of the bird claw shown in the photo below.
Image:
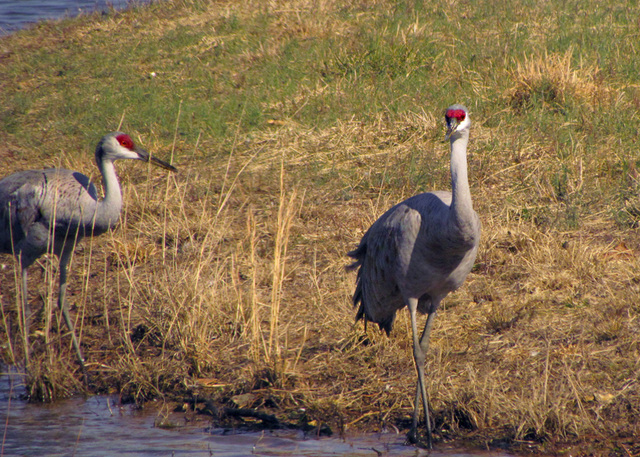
(414, 440)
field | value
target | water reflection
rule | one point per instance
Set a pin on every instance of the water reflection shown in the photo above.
(99, 427)
(15, 14)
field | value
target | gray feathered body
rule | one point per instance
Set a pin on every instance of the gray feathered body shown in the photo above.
(38, 207)
(415, 249)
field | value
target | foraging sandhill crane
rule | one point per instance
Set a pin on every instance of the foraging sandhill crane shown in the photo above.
(417, 252)
(51, 210)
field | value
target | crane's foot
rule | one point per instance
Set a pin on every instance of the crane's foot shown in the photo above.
(85, 375)
(414, 440)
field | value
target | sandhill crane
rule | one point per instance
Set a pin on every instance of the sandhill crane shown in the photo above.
(51, 210)
(417, 252)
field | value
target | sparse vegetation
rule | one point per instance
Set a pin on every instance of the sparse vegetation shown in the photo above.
(294, 125)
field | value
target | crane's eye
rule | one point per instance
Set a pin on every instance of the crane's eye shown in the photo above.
(125, 141)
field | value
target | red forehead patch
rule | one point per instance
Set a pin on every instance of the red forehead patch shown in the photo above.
(125, 140)
(457, 113)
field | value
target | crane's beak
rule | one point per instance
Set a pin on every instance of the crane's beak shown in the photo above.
(452, 125)
(145, 157)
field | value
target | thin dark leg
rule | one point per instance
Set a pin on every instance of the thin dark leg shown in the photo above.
(424, 347)
(419, 357)
(26, 315)
(62, 304)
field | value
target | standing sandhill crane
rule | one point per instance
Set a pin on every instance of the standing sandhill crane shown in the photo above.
(51, 210)
(417, 252)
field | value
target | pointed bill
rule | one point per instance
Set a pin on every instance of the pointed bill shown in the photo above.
(452, 124)
(145, 157)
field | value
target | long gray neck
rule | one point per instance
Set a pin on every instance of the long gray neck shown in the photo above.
(108, 210)
(461, 205)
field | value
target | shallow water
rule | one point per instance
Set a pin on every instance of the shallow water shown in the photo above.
(100, 427)
(15, 14)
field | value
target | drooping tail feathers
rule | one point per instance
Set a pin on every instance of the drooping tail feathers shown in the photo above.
(358, 298)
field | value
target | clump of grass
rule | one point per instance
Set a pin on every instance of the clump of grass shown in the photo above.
(551, 81)
(51, 377)
(503, 318)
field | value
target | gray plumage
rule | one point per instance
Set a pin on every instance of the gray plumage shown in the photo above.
(419, 251)
(51, 210)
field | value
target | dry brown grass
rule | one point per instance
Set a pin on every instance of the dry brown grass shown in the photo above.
(239, 284)
(551, 79)
(246, 292)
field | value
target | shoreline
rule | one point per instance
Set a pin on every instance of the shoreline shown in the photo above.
(17, 24)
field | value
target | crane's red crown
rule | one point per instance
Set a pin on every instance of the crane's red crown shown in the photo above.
(126, 141)
(459, 114)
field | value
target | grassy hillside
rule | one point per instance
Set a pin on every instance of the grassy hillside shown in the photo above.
(295, 124)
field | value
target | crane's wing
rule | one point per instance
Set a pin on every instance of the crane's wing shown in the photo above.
(382, 256)
(67, 201)
(36, 204)
(17, 208)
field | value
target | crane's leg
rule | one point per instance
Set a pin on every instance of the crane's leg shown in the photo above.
(424, 347)
(26, 312)
(62, 303)
(419, 356)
